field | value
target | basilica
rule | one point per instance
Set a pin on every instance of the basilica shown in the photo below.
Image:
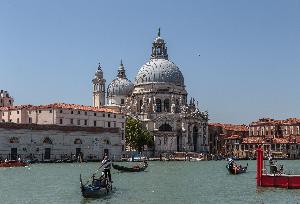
(158, 98)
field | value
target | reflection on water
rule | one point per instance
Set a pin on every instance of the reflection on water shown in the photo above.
(164, 182)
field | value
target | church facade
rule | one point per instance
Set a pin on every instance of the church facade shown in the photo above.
(158, 98)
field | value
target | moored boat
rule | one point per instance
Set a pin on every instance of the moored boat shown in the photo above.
(13, 163)
(135, 168)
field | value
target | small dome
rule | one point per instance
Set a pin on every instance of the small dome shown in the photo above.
(120, 87)
(159, 70)
(159, 40)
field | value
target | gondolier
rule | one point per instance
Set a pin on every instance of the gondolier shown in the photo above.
(106, 163)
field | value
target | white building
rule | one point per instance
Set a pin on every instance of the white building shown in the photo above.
(54, 142)
(159, 99)
(54, 120)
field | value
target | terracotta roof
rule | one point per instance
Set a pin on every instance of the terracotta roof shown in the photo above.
(270, 121)
(232, 137)
(253, 140)
(232, 127)
(281, 141)
(60, 106)
(57, 127)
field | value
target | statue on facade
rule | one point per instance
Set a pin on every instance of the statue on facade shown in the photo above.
(173, 108)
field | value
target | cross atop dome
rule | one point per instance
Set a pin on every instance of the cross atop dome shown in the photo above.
(159, 49)
(99, 66)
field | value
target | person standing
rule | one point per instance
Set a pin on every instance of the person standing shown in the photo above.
(106, 163)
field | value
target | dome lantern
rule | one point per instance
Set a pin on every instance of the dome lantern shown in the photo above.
(159, 49)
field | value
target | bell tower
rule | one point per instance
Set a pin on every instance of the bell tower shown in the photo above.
(98, 88)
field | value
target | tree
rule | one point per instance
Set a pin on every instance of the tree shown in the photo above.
(137, 136)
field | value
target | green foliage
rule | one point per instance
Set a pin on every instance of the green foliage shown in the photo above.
(137, 136)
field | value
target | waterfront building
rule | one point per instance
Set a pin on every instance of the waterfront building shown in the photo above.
(224, 139)
(55, 142)
(159, 99)
(281, 137)
(69, 117)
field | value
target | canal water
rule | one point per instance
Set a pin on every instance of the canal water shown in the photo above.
(163, 182)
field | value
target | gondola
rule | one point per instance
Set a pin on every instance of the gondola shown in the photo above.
(233, 168)
(131, 169)
(97, 188)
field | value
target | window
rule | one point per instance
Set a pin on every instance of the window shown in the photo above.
(60, 121)
(18, 120)
(158, 105)
(165, 127)
(50, 111)
(71, 121)
(115, 116)
(17, 112)
(60, 111)
(72, 112)
(85, 122)
(123, 148)
(40, 111)
(78, 122)
(108, 124)
(30, 120)
(108, 115)
(122, 135)
(115, 124)
(167, 105)
(103, 115)
(85, 113)
(122, 101)
(78, 112)
(95, 114)
(95, 123)
(122, 125)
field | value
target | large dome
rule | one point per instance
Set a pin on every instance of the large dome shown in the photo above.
(120, 87)
(159, 70)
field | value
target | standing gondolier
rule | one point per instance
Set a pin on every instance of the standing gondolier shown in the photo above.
(106, 163)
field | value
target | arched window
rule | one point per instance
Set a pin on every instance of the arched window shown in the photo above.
(77, 141)
(158, 105)
(177, 109)
(141, 103)
(14, 140)
(167, 105)
(106, 141)
(47, 140)
(165, 127)
(195, 138)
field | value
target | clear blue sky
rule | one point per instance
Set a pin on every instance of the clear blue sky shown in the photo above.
(250, 51)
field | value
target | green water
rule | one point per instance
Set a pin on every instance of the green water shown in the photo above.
(163, 182)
